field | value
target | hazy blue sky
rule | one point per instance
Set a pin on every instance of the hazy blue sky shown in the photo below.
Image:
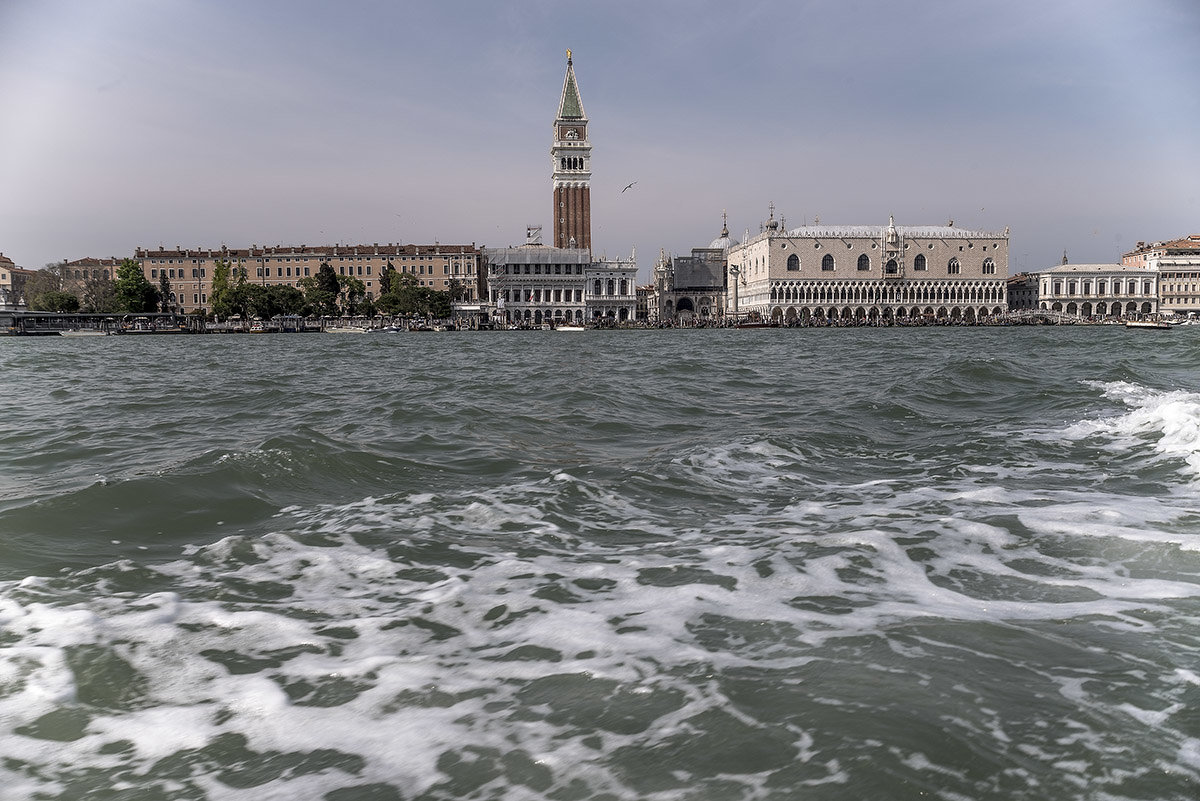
(201, 122)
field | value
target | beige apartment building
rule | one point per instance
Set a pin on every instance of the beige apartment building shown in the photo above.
(868, 273)
(190, 272)
(12, 282)
(1147, 252)
(1177, 264)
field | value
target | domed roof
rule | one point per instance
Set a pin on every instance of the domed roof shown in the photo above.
(722, 242)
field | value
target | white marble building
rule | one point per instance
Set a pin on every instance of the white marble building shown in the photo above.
(868, 274)
(1099, 290)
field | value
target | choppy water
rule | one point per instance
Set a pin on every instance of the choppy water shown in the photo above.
(781, 564)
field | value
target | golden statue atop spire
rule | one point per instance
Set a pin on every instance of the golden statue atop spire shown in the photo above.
(568, 55)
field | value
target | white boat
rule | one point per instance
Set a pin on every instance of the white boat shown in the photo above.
(83, 332)
(569, 327)
(1161, 325)
(345, 329)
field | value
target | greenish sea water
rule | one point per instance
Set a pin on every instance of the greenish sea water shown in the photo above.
(715, 564)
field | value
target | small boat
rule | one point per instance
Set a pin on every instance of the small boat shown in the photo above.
(83, 332)
(258, 327)
(570, 327)
(1161, 325)
(345, 329)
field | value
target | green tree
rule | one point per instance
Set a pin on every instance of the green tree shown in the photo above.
(456, 289)
(386, 279)
(134, 292)
(55, 300)
(437, 304)
(227, 298)
(389, 304)
(47, 279)
(318, 301)
(352, 292)
(99, 295)
(164, 293)
(327, 279)
(286, 299)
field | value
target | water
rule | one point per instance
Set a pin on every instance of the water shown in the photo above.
(772, 564)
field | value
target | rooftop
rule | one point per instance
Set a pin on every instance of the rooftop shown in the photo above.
(1094, 268)
(906, 231)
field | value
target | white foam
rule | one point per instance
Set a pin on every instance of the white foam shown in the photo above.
(538, 593)
(1169, 419)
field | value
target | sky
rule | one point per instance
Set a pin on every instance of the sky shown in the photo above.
(197, 123)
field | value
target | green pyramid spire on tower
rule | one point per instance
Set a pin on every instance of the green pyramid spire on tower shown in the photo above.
(571, 106)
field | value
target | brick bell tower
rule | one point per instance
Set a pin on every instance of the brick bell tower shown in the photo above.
(571, 156)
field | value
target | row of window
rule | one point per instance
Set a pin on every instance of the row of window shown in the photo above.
(1102, 288)
(953, 267)
(280, 272)
(196, 273)
(312, 258)
(543, 295)
(614, 287)
(940, 293)
(559, 269)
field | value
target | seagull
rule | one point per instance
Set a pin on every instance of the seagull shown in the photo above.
(630, 186)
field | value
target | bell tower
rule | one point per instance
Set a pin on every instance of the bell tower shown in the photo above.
(571, 159)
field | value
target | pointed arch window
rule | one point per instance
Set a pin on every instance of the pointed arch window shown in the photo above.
(953, 267)
(864, 262)
(919, 263)
(891, 268)
(793, 262)
(989, 266)
(827, 262)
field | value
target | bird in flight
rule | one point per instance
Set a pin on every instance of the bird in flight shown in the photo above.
(627, 188)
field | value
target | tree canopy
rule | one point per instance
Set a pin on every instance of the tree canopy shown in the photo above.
(408, 297)
(224, 300)
(46, 280)
(55, 300)
(133, 291)
(99, 295)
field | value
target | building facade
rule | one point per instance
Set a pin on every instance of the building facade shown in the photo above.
(692, 288)
(190, 272)
(1099, 290)
(571, 165)
(1178, 285)
(1145, 253)
(1023, 292)
(534, 284)
(12, 280)
(611, 294)
(1177, 263)
(868, 274)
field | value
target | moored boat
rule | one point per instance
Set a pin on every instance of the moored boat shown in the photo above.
(1160, 325)
(83, 332)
